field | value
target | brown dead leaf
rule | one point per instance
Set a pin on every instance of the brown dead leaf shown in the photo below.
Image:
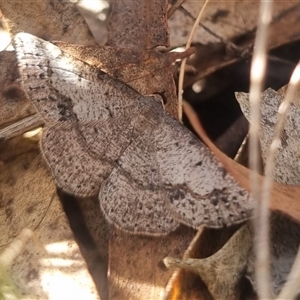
(28, 201)
(136, 268)
(124, 64)
(232, 20)
(13, 101)
(150, 20)
(221, 272)
(285, 238)
(140, 24)
(234, 23)
(91, 233)
(48, 19)
(185, 285)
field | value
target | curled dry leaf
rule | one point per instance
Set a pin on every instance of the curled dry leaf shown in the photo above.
(286, 169)
(124, 64)
(185, 285)
(285, 234)
(222, 271)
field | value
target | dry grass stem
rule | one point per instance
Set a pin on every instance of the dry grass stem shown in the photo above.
(183, 63)
(261, 217)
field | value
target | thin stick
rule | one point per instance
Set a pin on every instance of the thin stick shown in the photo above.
(20, 127)
(183, 63)
(174, 7)
(218, 37)
(261, 216)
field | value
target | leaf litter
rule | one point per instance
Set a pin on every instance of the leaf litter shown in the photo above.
(285, 237)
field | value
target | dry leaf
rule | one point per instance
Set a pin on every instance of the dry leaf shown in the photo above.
(91, 233)
(232, 20)
(147, 30)
(285, 234)
(27, 197)
(138, 24)
(286, 169)
(235, 25)
(136, 268)
(222, 271)
(50, 19)
(13, 101)
(187, 285)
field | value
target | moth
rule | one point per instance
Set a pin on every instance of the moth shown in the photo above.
(103, 138)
